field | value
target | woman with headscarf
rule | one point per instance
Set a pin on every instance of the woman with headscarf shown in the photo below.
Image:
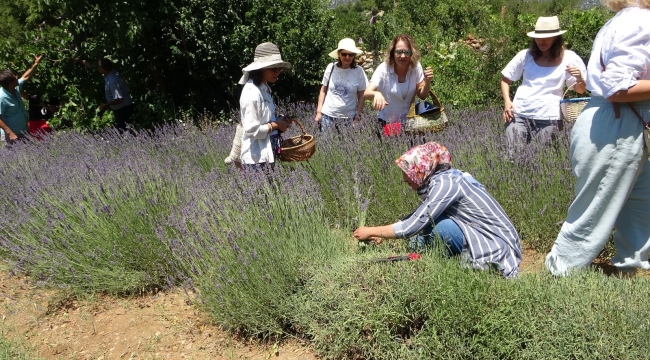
(261, 135)
(455, 207)
(341, 95)
(546, 67)
(608, 154)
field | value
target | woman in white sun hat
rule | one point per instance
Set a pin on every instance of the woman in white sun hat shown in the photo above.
(260, 139)
(608, 153)
(341, 95)
(546, 67)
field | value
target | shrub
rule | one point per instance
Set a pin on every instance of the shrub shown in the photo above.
(248, 243)
(435, 309)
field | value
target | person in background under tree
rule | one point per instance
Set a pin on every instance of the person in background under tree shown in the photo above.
(13, 116)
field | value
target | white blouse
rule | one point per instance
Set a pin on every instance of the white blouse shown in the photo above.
(257, 110)
(387, 84)
(542, 87)
(624, 45)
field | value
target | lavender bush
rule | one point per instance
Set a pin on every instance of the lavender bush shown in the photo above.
(248, 241)
(82, 210)
(435, 309)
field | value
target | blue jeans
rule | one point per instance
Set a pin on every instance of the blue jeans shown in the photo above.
(265, 167)
(446, 230)
(327, 122)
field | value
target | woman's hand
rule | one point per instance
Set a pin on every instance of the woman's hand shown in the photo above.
(379, 102)
(508, 111)
(580, 85)
(428, 74)
(318, 117)
(280, 125)
(362, 233)
(575, 72)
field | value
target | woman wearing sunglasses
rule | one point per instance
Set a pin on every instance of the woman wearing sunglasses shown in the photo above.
(396, 80)
(341, 94)
(261, 135)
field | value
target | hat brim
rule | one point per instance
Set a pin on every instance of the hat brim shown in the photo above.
(545, 35)
(261, 65)
(335, 54)
(267, 64)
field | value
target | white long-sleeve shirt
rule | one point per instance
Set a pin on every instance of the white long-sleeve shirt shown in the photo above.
(257, 110)
(624, 45)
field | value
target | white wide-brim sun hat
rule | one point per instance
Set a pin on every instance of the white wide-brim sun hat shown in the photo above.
(266, 55)
(546, 27)
(345, 44)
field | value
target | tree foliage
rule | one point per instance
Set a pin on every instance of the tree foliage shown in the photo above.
(176, 55)
(186, 55)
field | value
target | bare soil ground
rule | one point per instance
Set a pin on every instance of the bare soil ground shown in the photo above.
(157, 326)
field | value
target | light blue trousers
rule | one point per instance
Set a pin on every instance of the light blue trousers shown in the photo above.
(612, 190)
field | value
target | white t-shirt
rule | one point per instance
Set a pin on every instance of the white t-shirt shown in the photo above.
(342, 90)
(539, 95)
(624, 44)
(385, 79)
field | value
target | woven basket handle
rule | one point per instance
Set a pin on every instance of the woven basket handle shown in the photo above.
(302, 128)
(569, 88)
(433, 96)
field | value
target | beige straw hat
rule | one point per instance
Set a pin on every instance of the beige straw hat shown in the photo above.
(547, 27)
(345, 44)
(266, 55)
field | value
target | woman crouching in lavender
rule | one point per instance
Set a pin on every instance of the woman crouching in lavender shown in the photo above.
(455, 208)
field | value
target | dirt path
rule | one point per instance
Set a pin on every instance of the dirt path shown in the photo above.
(160, 326)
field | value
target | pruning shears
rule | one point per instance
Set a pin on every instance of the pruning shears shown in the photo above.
(408, 257)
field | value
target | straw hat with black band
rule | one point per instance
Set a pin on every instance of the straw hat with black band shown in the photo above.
(267, 55)
(546, 27)
(345, 44)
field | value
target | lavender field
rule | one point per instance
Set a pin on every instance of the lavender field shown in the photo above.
(272, 256)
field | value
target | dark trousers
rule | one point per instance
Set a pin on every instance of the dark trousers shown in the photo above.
(123, 116)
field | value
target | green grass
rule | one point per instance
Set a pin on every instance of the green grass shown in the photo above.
(12, 350)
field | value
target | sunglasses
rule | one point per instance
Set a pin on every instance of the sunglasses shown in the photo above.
(347, 54)
(275, 69)
(404, 52)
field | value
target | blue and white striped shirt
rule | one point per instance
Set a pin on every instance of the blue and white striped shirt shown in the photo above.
(490, 236)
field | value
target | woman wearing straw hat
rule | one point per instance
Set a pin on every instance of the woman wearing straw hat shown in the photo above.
(341, 95)
(396, 80)
(456, 209)
(608, 153)
(546, 67)
(261, 136)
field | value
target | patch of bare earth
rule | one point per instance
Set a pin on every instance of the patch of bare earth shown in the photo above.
(158, 326)
(533, 261)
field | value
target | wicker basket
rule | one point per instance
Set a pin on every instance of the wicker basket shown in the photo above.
(570, 109)
(297, 148)
(428, 122)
